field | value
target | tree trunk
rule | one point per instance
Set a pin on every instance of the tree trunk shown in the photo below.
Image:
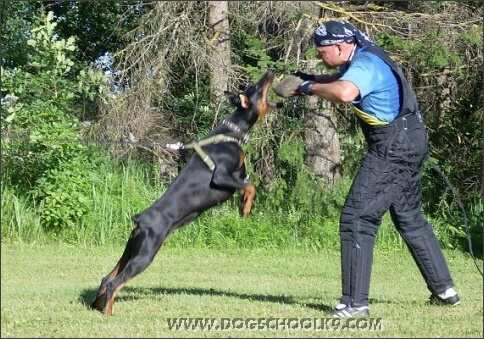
(321, 134)
(219, 46)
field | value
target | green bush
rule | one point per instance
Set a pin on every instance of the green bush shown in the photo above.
(42, 154)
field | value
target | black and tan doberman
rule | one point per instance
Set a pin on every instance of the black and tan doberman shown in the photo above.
(211, 176)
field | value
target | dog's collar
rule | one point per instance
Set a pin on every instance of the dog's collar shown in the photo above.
(243, 136)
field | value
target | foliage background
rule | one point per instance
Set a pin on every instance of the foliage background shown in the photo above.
(81, 78)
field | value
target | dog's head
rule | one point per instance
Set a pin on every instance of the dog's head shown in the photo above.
(253, 103)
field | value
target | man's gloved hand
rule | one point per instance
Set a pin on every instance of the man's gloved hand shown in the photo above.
(306, 88)
(288, 86)
(305, 76)
(293, 85)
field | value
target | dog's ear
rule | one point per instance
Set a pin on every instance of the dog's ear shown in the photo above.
(239, 100)
(244, 101)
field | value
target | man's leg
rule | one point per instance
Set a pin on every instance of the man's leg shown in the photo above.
(420, 238)
(406, 213)
(369, 198)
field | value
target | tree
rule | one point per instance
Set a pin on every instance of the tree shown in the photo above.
(17, 18)
(220, 48)
(99, 26)
(323, 154)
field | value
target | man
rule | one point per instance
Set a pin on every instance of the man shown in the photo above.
(389, 178)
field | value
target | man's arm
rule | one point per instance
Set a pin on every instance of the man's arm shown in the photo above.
(336, 91)
(326, 86)
(326, 78)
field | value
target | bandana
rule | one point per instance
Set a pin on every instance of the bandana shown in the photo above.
(335, 32)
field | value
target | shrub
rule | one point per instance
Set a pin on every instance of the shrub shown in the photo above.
(42, 154)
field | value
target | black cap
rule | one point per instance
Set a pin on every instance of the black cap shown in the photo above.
(334, 32)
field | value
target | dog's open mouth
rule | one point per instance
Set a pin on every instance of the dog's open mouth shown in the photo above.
(266, 83)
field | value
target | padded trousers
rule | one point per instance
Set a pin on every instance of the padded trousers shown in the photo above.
(389, 179)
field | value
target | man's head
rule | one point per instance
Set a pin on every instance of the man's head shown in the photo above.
(335, 41)
(334, 32)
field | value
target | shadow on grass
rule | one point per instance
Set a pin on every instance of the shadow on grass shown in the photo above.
(87, 296)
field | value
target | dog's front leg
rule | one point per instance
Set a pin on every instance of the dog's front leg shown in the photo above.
(247, 195)
(223, 178)
(234, 180)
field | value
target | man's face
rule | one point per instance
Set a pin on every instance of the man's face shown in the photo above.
(330, 55)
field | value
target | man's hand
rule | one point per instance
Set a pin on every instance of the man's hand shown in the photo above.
(306, 88)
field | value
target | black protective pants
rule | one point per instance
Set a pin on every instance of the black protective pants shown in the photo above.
(389, 179)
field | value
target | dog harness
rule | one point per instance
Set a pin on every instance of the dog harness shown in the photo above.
(215, 139)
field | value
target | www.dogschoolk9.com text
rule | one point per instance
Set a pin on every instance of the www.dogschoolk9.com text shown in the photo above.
(275, 324)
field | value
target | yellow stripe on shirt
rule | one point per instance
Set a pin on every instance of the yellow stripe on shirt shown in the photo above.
(369, 119)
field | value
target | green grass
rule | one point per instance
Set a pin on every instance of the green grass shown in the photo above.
(46, 290)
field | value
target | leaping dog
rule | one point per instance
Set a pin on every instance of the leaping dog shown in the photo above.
(210, 177)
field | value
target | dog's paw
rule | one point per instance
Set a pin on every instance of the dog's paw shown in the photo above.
(246, 199)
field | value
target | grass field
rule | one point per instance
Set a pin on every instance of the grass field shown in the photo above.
(46, 289)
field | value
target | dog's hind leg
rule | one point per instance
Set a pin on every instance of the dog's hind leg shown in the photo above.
(140, 250)
(97, 303)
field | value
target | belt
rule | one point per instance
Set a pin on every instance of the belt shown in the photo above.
(408, 121)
